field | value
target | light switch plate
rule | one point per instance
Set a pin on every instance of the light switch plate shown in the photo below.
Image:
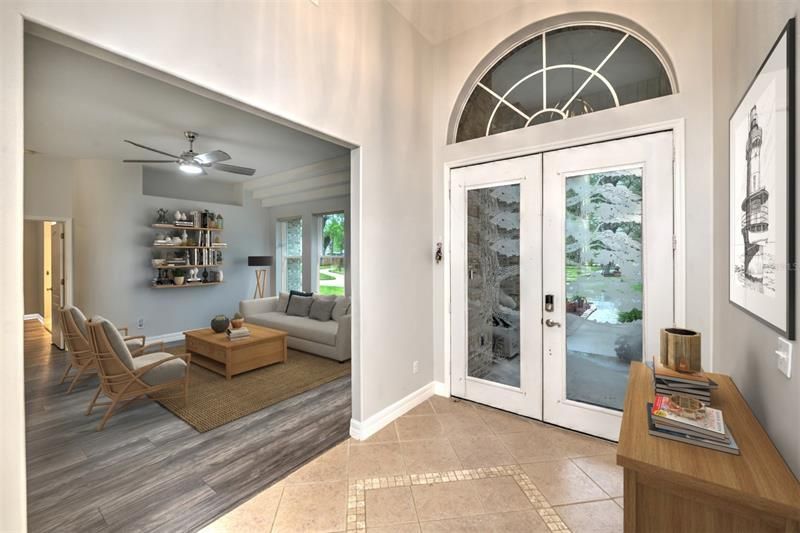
(784, 353)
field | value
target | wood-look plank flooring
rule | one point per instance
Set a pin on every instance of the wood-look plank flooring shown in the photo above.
(149, 470)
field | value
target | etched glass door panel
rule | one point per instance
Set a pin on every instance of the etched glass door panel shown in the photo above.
(493, 291)
(603, 289)
(496, 284)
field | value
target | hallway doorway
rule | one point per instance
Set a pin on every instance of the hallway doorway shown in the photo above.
(561, 275)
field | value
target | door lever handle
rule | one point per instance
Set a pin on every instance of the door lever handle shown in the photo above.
(552, 324)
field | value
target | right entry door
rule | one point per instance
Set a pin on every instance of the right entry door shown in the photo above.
(608, 265)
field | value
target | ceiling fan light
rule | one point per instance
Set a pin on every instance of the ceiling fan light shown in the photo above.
(188, 167)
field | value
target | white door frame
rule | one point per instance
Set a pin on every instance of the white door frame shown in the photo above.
(67, 221)
(677, 126)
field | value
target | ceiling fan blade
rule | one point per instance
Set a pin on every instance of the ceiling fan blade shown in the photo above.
(233, 168)
(211, 157)
(152, 149)
(148, 161)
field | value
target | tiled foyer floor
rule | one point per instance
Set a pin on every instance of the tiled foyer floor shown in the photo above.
(447, 466)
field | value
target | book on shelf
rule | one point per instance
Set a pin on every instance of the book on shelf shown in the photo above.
(674, 434)
(710, 425)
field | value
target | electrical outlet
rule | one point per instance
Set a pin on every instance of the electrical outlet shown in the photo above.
(784, 353)
(140, 323)
(415, 367)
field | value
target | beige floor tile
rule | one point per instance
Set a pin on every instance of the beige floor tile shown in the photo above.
(467, 423)
(418, 427)
(256, 514)
(447, 500)
(576, 445)
(425, 408)
(620, 502)
(372, 460)
(536, 444)
(312, 507)
(501, 494)
(595, 517)
(330, 466)
(386, 507)
(422, 456)
(501, 422)
(604, 471)
(521, 521)
(386, 434)
(482, 451)
(397, 528)
(444, 405)
(562, 482)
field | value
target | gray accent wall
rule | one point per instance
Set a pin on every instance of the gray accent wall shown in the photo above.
(743, 33)
(113, 237)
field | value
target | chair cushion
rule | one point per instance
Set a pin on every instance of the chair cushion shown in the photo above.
(299, 305)
(80, 320)
(341, 308)
(116, 341)
(134, 344)
(169, 371)
(299, 327)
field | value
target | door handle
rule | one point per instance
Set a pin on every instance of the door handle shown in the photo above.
(552, 324)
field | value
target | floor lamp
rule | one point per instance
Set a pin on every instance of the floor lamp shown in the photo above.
(261, 273)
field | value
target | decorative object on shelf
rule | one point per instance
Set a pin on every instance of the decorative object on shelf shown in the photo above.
(185, 237)
(178, 276)
(220, 323)
(162, 216)
(762, 191)
(193, 274)
(680, 349)
(205, 275)
(261, 273)
(220, 222)
(219, 276)
(237, 321)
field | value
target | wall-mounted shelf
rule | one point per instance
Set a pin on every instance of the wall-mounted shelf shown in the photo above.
(187, 228)
(189, 247)
(187, 285)
(170, 267)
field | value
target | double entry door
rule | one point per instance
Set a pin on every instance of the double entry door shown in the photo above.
(561, 276)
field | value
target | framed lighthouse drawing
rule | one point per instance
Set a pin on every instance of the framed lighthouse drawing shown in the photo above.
(762, 191)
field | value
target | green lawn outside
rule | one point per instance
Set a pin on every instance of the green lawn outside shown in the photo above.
(336, 291)
(575, 271)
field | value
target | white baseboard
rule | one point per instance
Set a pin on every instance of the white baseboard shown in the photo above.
(441, 389)
(34, 316)
(370, 426)
(166, 337)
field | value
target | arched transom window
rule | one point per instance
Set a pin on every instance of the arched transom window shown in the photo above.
(559, 74)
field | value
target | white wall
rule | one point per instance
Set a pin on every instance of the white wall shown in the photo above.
(307, 211)
(743, 33)
(352, 69)
(683, 30)
(112, 241)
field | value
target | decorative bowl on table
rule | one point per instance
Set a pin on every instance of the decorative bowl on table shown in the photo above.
(220, 323)
(236, 323)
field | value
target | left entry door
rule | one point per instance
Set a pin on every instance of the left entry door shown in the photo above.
(496, 284)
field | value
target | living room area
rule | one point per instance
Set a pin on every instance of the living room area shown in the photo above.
(187, 281)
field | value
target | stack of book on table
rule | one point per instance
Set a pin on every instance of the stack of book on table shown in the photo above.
(238, 333)
(705, 428)
(692, 385)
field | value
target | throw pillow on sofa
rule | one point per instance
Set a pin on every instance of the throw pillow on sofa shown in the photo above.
(321, 309)
(297, 293)
(341, 308)
(283, 302)
(299, 305)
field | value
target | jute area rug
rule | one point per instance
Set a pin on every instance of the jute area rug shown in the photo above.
(215, 401)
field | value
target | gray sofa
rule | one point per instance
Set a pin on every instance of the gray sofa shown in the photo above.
(330, 338)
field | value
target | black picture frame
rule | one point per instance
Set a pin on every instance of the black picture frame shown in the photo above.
(750, 218)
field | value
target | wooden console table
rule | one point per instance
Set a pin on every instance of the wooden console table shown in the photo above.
(675, 487)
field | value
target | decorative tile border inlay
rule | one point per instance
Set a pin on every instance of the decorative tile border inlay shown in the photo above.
(357, 498)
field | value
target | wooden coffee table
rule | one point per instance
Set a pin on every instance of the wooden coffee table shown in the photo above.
(215, 352)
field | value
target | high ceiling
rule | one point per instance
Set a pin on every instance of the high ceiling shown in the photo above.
(82, 107)
(439, 20)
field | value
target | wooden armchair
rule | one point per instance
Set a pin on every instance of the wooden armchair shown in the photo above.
(77, 342)
(124, 378)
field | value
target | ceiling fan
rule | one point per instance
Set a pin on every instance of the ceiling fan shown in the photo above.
(190, 162)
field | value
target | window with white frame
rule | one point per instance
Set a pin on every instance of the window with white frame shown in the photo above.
(331, 249)
(561, 73)
(290, 254)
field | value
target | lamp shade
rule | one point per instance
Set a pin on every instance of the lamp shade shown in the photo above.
(259, 260)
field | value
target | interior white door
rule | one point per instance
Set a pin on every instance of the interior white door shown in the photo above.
(56, 281)
(496, 284)
(608, 262)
